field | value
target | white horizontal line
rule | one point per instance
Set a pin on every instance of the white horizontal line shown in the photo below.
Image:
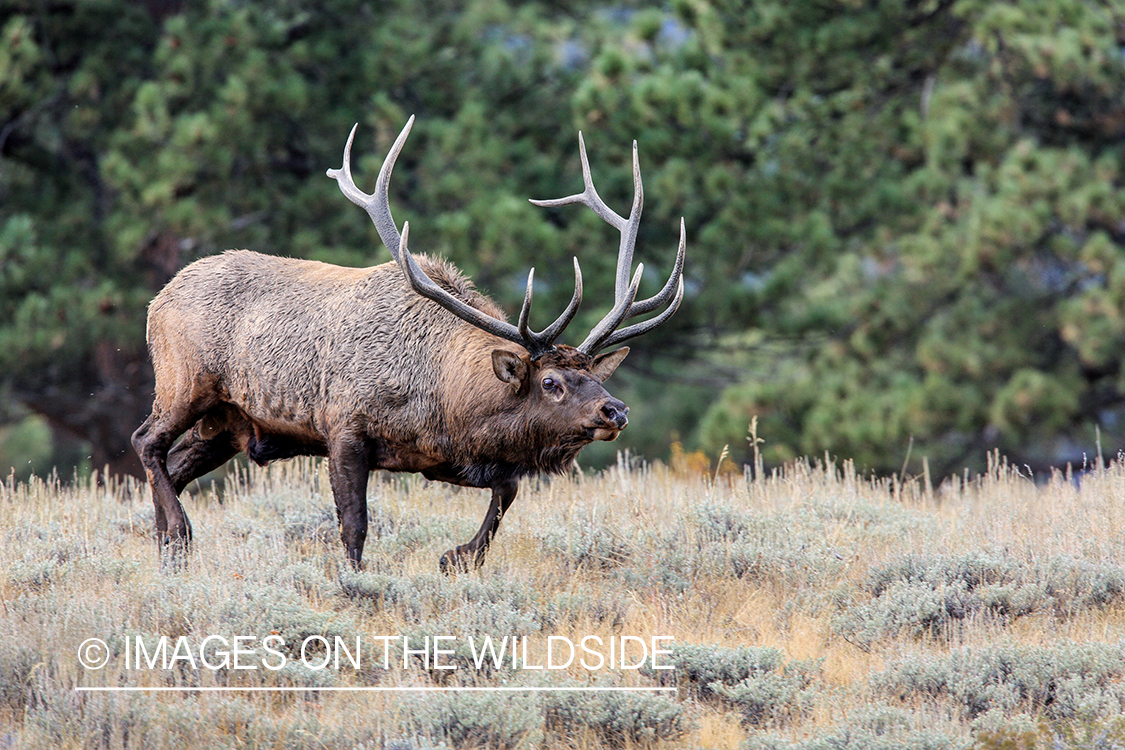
(292, 689)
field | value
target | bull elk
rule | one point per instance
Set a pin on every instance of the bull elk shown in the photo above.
(403, 366)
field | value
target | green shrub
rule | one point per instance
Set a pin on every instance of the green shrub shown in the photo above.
(310, 522)
(698, 667)
(96, 720)
(618, 718)
(144, 721)
(285, 614)
(18, 664)
(469, 624)
(1064, 682)
(972, 572)
(722, 523)
(771, 698)
(493, 720)
(1075, 584)
(1098, 735)
(868, 728)
(415, 596)
(886, 519)
(380, 590)
(390, 540)
(588, 548)
(34, 576)
(787, 566)
(610, 609)
(933, 595)
(756, 681)
(784, 549)
(304, 578)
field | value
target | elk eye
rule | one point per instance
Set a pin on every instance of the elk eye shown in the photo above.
(550, 385)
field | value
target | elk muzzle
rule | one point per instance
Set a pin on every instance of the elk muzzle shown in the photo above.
(611, 419)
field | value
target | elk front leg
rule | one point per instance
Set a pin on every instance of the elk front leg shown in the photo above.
(460, 558)
(348, 468)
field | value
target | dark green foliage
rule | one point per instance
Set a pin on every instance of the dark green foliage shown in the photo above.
(25, 446)
(904, 219)
(948, 232)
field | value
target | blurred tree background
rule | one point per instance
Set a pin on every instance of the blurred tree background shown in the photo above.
(906, 218)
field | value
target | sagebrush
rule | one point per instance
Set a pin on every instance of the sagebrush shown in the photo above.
(809, 608)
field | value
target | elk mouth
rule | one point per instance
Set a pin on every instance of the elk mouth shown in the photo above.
(607, 431)
(602, 433)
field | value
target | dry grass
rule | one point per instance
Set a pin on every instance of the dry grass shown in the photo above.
(871, 609)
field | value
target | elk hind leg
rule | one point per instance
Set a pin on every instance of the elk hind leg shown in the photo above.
(195, 456)
(471, 554)
(152, 441)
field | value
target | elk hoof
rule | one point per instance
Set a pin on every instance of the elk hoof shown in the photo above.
(173, 553)
(453, 562)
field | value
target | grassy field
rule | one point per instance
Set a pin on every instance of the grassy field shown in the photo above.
(812, 608)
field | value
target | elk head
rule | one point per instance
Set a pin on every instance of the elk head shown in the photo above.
(563, 389)
(560, 379)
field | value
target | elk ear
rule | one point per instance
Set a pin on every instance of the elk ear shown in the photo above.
(509, 367)
(605, 365)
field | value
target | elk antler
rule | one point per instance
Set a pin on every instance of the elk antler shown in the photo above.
(378, 208)
(605, 333)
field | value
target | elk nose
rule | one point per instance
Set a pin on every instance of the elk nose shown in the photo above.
(615, 411)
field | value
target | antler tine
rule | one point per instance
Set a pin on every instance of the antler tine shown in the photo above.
(545, 339)
(377, 204)
(537, 344)
(645, 326)
(603, 330)
(624, 294)
(629, 233)
(655, 301)
(665, 294)
(627, 227)
(551, 332)
(347, 185)
(588, 197)
(525, 311)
